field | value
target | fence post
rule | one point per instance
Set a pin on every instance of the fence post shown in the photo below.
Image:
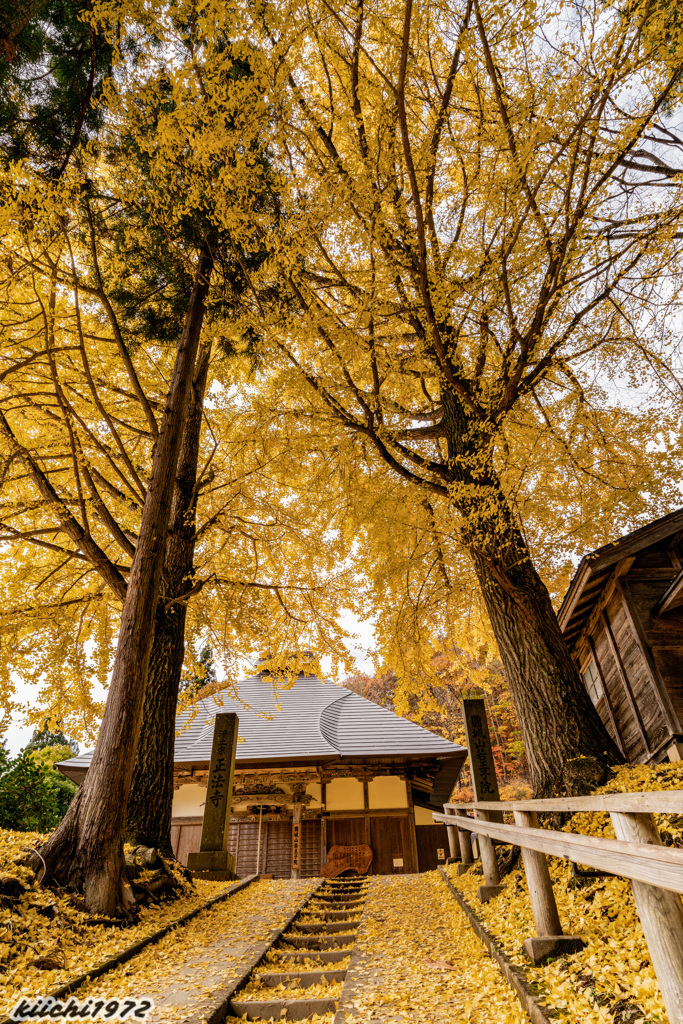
(452, 839)
(549, 940)
(661, 915)
(489, 864)
(466, 856)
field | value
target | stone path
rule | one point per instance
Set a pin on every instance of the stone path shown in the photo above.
(302, 978)
(384, 950)
(192, 970)
(417, 961)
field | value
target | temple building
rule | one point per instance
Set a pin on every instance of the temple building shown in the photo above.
(349, 771)
(622, 618)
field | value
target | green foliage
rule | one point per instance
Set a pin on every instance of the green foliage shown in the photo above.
(52, 64)
(45, 738)
(203, 674)
(33, 796)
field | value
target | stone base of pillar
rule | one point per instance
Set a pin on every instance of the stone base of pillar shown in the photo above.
(487, 892)
(214, 865)
(463, 868)
(540, 947)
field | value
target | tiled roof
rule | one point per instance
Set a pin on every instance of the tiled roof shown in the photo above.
(313, 718)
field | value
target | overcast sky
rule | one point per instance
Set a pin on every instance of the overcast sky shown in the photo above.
(17, 736)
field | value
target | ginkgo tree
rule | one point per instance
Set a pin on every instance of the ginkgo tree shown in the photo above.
(118, 299)
(481, 241)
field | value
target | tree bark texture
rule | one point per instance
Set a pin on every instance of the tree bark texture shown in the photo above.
(86, 850)
(148, 817)
(557, 718)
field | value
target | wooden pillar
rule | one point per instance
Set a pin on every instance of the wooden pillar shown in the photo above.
(550, 939)
(296, 841)
(366, 810)
(453, 847)
(323, 820)
(661, 915)
(412, 831)
(489, 864)
(466, 857)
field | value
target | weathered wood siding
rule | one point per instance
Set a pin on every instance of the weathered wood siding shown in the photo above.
(663, 636)
(618, 661)
(640, 660)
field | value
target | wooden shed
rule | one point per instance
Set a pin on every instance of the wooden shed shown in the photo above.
(622, 618)
(347, 771)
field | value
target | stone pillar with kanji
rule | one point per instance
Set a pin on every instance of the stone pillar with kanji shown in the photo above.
(212, 860)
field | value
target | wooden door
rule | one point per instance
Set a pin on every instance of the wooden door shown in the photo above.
(310, 847)
(186, 837)
(391, 841)
(278, 848)
(345, 832)
(432, 840)
(247, 848)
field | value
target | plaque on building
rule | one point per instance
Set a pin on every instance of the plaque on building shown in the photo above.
(212, 860)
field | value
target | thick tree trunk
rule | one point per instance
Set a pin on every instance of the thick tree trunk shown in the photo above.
(557, 718)
(86, 850)
(148, 818)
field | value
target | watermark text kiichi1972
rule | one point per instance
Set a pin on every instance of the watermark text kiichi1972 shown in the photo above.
(49, 1008)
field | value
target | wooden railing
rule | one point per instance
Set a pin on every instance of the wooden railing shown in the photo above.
(655, 871)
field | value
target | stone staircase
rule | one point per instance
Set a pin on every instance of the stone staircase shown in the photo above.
(301, 976)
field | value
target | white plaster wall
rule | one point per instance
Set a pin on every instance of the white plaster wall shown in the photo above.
(188, 801)
(423, 816)
(315, 791)
(344, 795)
(387, 791)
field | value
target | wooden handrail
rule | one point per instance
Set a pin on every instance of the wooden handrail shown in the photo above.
(665, 801)
(654, 865)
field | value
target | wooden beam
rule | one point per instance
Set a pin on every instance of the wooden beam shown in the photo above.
(672, 598)
(654, 865)
(663, 801)
(620, 569)
(608, 699)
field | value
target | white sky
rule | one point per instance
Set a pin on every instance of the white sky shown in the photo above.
(17, 735)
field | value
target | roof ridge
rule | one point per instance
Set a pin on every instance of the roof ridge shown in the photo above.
(328, 707)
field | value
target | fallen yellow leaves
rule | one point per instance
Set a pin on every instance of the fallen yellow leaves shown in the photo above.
(615, 965)
(46, 940)
(291, 990)
(410, 924)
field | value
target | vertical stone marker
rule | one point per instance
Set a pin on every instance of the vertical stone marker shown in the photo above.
(485, 786)
(482, 766)
(212, 860)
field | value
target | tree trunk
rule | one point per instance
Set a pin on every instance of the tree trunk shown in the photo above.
(556, 716)
(86, 850)
(148, 817)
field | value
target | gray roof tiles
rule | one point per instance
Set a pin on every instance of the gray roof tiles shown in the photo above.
(312, 718)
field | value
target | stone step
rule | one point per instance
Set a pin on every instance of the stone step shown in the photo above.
(328, 956)
(321, 941)
(306, 978)
(326, 927)
(341, 900)
(281, 1009)
(330, 915)
(345, 887)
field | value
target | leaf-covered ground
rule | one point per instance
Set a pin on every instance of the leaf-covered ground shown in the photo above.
(611, 981)
(181, 972)
(45, 939)
(422, 963)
